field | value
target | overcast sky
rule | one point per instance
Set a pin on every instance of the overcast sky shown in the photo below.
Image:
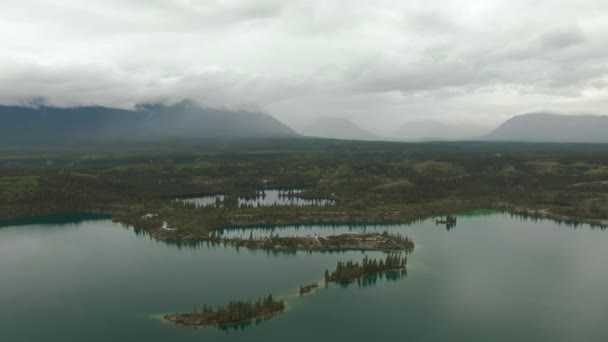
(379, 63)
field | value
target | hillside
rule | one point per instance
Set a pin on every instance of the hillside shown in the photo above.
(546, 127)
(29, 125)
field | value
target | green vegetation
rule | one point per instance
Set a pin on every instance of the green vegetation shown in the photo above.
(350, 271)
(367, 181)
(233, 312)
(437, 169)
(361, 241)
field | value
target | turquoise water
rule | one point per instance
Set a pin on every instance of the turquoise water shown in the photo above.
(490, 278)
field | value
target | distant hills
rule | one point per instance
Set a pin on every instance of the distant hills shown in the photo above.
(426, 130)
(41, 125)
(337, 128)
(547, 127)
(33, 125)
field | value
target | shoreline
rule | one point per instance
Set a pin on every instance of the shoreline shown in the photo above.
(179, 235)
(347, 241)
(166, 318)
(153, 225)
(547, 214)
(234, 312)
(400, 268)
(175, 234)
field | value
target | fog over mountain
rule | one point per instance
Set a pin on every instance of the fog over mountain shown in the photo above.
(43, 124)
(437, 131)
(337, 128)
(376, 63)
(547, 127)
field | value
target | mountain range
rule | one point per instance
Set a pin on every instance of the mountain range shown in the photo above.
(44, 124)
(547, 127)
(31, 125)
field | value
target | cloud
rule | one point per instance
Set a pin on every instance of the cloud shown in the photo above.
(562, 38)
(378, 63)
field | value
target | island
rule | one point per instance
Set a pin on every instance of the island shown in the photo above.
(450, 219)
(308, 288)
(349, 271)
(348, 241)
(233, 312)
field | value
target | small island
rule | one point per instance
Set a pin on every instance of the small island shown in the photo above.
(233, 312)
(307, 288)
(360, 241)
(450, 219)
(349, 271)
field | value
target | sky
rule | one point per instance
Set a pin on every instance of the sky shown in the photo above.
(377, 63)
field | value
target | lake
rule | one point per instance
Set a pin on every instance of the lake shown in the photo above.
(490, 278)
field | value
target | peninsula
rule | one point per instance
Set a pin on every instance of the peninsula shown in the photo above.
(349, 241)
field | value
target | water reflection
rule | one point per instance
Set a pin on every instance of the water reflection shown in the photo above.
(244, 325)
(450, 226)
(525, 216)
(389, 276)
(261, 198)
(211, 201)
(282, 198)
(374, 278)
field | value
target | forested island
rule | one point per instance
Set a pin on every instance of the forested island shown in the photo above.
(241, 311)
(233, 312)
(361, 241)
(349, 271)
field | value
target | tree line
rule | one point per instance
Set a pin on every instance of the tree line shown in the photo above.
(234, 311)
(348, 271)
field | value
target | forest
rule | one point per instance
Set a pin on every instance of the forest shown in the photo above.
(376, 182)
(349, 271)
(233, 312)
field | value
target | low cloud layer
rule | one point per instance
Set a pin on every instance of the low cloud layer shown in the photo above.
(379, 63)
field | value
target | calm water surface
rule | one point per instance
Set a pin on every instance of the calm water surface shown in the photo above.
(263, 198)
(491, 278)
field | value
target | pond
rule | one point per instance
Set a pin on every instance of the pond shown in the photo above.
(261, 198)
(492, 277)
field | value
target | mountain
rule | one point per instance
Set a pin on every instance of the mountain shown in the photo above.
(546, 127)
(24, 125)
(337, 128)
(435, 130)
